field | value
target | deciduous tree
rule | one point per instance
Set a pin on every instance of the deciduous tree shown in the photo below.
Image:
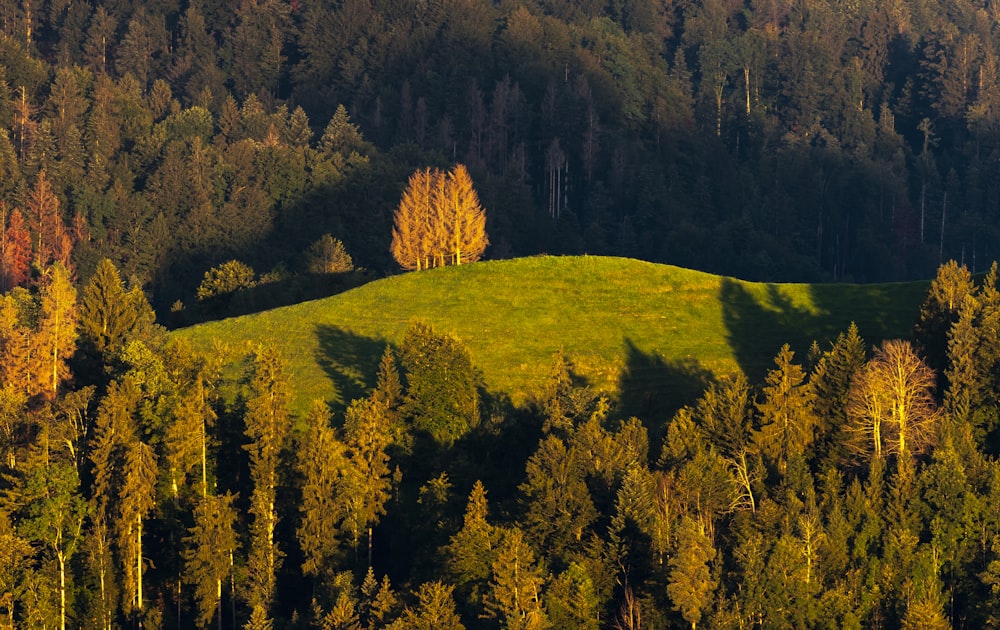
(892, 402)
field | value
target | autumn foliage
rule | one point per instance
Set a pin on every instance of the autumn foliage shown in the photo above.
(439, 221)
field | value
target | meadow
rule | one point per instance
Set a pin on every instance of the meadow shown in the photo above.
(634, 330)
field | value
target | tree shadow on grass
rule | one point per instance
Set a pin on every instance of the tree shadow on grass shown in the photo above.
(350, 361)
(652, 388)
(758, 325)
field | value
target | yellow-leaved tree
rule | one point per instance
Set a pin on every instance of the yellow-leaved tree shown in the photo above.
(439, 221)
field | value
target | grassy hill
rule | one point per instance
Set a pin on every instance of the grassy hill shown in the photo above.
(647, 334)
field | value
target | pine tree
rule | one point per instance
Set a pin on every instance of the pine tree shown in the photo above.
(53, 242)
(516, 593)
(136, 499)
(322, 463)
(435, 610)
(57, 330)
(442, 397)
(439, 221)
(464, 217)
(472, 549)
(15, 249)
(366, 434)
(209, 548)
(108, 313)
(412, 230)
(267, 425)
(691, 583)
(786, 412)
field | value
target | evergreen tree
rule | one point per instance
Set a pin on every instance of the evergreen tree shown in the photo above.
(516, 593)
(692, 584)
(109, 314)
(442, 397)
(786, 412)
(57, 330)
(366, 434)
(267, 426)
(435, 610)
(208, 555)
(322, 463)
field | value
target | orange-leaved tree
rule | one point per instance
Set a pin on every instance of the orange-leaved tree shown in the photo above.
(439, 221)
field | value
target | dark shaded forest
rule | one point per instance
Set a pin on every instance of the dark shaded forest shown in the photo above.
(797, 140)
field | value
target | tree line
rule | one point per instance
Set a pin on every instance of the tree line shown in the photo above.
(147, 483)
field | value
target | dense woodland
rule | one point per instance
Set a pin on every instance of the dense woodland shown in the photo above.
(145, 484)
(157, 157)
(772, 139)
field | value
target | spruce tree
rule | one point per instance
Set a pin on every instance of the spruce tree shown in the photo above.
(267, 426)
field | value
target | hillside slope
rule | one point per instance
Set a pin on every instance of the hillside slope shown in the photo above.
(642, 332)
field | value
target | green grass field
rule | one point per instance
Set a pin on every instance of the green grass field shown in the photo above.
(635, 330)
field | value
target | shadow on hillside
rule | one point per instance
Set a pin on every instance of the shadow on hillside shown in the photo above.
(350, 361)
(653, 389)
(757, 327)
(264, 297)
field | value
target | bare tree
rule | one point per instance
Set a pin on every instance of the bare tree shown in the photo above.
(891, 402)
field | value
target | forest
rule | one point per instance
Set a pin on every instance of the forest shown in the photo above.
(164, 163)
(782, 140)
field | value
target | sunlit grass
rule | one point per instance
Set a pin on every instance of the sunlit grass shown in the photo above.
(602, 312)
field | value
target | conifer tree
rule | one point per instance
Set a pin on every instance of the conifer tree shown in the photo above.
(435, 610)
(322, 463)
(439, 221)
(57, 330)
(830, 381)
(267, 425)
(366, 434)
(137, 498)
(471, 550)
(53, 242)
(209, 548)
(465, 218)
(442, 397)
(15, 249)
(516, 593)
(786, 411)
(691, 583)
(109, 313)
(411, 233)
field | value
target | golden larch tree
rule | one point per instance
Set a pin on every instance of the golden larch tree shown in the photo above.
(466, 218)
(410, 234)
(439, 221)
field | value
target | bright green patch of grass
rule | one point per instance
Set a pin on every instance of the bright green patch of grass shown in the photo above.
(630, 327)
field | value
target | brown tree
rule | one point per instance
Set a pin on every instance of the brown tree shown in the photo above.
(53, 241)
(439, 221)
(15, 249)
(891, 402)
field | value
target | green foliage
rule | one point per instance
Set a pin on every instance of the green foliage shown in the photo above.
(208, 555)
(691, 582)
(442, 397)
(327, 255)
(109, 314)
(229, 277)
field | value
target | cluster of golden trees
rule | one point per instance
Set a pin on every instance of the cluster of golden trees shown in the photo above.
(439, 221)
